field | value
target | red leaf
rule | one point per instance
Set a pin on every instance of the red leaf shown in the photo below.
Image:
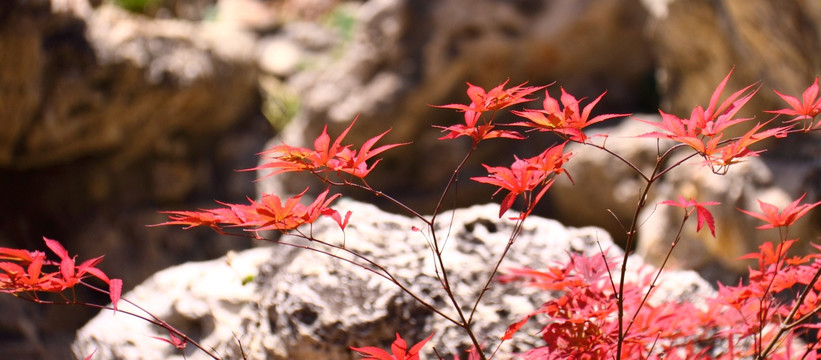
(57, 248)
(90, 355)
(67, 265)
(414, 351)
(512, 329)
(399, 349)
(496, 98)
(115, 289)
(177, 342)
(15, 254)
(704, 216)
(788, 216)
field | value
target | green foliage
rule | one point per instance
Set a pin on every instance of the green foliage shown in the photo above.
(280, 104)
(136, 6)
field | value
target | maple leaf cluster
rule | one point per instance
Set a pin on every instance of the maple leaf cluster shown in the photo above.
(806, 109)
(566, 119)
(482, 101)
(325, 156)
(23, 272)
(769, 298)
(526, 176)
(783, 218)
(586, 320)
(768, 307)
(269, 213)
(529, 177)
(582, 322)
(704, 130)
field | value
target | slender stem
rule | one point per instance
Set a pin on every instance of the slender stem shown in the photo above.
(442, 273)
(631, 234)
(152, 319)
(449, 184)
(515, 234)
(439, 262)
(379, 194)
(786, 325)
(377, 269)
(658, 273)
(465, 322)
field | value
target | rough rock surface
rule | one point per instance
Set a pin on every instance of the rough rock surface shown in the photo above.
(304, 305)
(80, 82)
(109, 117)
(697, 41)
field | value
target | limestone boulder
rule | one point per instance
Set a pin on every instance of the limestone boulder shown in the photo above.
(306, 305)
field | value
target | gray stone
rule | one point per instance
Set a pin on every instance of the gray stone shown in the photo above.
(306, 305)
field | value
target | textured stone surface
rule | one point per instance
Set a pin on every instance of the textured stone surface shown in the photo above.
(89, 82)
(109, 117)
(696, 42)
(303, 305)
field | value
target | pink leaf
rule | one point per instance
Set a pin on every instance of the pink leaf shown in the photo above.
(115, 289)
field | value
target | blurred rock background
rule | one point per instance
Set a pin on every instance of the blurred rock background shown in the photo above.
(115, 109)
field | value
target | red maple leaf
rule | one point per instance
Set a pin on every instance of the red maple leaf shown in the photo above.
(704, 130)
(704, 124)
(494, 99)
(399, 348)
(805, 109)
(730, 153)
(566, 120)
(24, 272)
(768, 255)
(525, 176)
(477, 132)
(269, 213)
(784, 218)
(324, 157)
(718, 117)
(703, 215)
